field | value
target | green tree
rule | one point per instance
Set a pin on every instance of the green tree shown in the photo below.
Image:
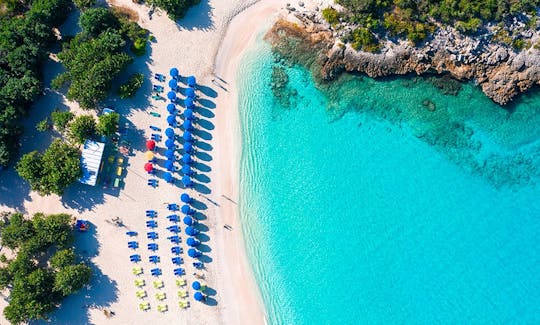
(61, 119)
(131, 86)
(43, 125)
(108, 124)
(30, 168)
(84, 4)
(96, 20)
(16, 231)
(63, 258)
(83, 127)
(331, 15)
(176, 9)
(72, 278)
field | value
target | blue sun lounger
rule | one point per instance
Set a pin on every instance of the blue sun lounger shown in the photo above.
(135, 258)
(155, 128)
(173, 218)
(152, 182)
(174, 229)
(176, 250)
(177, 260)
(152, 235)
(174, 239)
(151, 216)
(153, 247)
(151, 213)
(154, 259)
(131, 233)
(151, 224)
(155, 137)
(198, 265)
(172, 206)
(133, 245)
(179, 271)
(156, 271)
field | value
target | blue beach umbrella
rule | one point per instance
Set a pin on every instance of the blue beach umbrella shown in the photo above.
(170, 144)
(169, 165)
(188, 114)
(171, 95)
(185, 198)
(187, 125)
(168, 177)
(188, 221)
(186, 180)
(186, 159)
(198, 296)
(188, 102)
(169, 132)
(169, 153)
(187, 136)
(192, 252)
(186, 169)
(188, 147)
(192, 242)
(186, 209)
(190, 231)
(190, 93)
(173, 84)
(174, 72)
(171, 108)
(196, 285)
(191, 81)
(171, 120)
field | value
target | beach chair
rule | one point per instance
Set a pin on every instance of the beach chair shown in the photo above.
(135, 258)
(154, 259)
(181, 282)
(179, 271)
(151, 224)
(119, 171)
(110, 159)
(183, 304)
(133, 245)
(120, 161)
(182, 293)
(158, 284)
(152, 182)
(162, 308)
(176, 250)
(140, 294)
(155, 137)
(116, 182)
(174, 239)
(155, 128)
(156, 272)
(131, 233)
(144, 306)
(154, 114)
(137, 270)
(151, 213)
(152, 235)
(139, 283)
(172, 207)
(161, 296)
(156, 97)
(173, 218)
(153, 247)
(177, 260)
(173, 229)
(198, 265)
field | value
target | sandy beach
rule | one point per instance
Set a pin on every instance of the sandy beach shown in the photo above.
(208, 44)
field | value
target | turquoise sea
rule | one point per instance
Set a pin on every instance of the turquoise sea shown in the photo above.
(388, 202)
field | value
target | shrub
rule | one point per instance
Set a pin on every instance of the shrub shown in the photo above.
(82, 128)
(43, 125)
(108, 124)
(61, 119)
(331, 15)
(131, 86)
(363, 39)
(84, 4)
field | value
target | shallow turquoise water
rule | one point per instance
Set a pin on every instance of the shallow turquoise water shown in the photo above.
(367, 208)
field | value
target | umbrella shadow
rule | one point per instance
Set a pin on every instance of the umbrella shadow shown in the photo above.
(202, 227)
(203, 134)
(203, 156)
(201, 188)
(199, 205)
(198, 17)
(207, 91)
(205, 124)
(210, 301)
(201, 167)
(199, 216)
(203, 238)
(204, 112)
(207, 103)
(206, 146)
(201, 178)
(204, 257)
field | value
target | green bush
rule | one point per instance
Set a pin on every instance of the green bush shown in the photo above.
(82, 128)
(61, 119)
(363, 39)
(331, 15)
(84, 4)
(139, 47)
(43, 125)
(108, 124)
(131, 86)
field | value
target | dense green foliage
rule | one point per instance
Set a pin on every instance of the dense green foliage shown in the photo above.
(25, 35)
(61, 119)
(43, 125)
(52, 171)
(131, 86)
(176, 9)
(96, 20)
(83, 127)
(415, 19)
(37, 286)
(108, 124)
(84, 4)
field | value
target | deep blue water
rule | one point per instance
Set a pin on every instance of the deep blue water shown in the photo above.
(362, 206)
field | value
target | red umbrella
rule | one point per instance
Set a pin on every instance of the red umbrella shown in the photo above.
(148, 167)
(150, 144)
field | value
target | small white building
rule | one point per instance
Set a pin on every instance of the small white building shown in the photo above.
(90, 161)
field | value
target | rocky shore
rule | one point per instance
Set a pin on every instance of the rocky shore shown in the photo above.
(501, 71)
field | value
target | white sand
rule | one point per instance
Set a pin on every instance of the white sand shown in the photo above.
(192, 47)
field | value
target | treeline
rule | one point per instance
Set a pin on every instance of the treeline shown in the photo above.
(26, 32)
(176, 9)
(415, 19)
(44, 268)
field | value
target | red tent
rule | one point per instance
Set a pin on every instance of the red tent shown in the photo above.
(148, 167)
(150, 144)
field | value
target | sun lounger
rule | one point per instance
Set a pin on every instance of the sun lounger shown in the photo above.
(152, 182)
(154, 114)
(155, 137)
(135, 258)
(183, 304)
(158, 284)
(160, 77)
(139, 283)
(174, 239)
(156, 97)
(154, 259)
(137, 270)
(179, 271)
(177, 260)
(151, 212)
(140, 294)
(119, 171)
(144, 306)
(133, 245)
(120, 161)
(198, 265)
(153, 247)
(173, 218)
(131, 233)
(155, 128)
(172, 207)
(176, 250)
(173, 229)
(160, 296)
(157, 88)
(116, 182)
(151, 224)
(156, 272)
(181, 282)
(182, 293)
(162, 308)
(152, 235)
